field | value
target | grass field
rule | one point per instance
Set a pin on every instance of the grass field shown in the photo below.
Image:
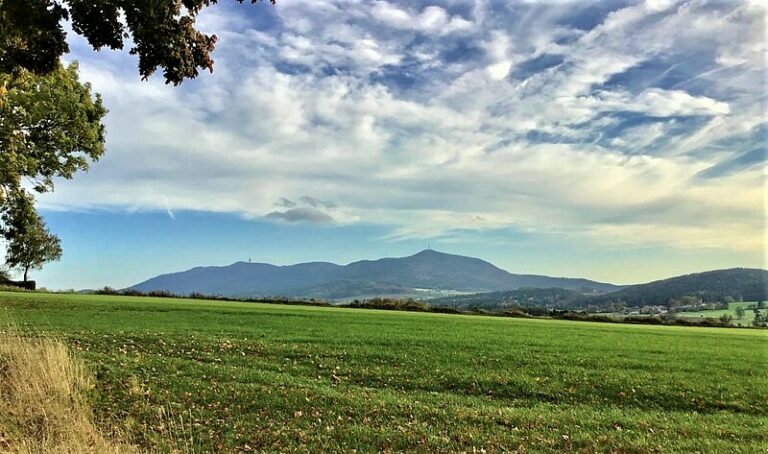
(749, 315)
(238, 377)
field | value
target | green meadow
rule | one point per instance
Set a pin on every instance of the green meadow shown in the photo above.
(235, 377)
(749, 314)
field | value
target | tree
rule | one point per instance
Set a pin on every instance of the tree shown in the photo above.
(50, 126)
(29, 243)
(740, 312)
(163, 33)
(726, 319)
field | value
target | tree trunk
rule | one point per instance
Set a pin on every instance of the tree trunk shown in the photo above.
(26, 272)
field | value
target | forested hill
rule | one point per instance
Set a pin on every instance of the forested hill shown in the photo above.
(748, 284)
(745, 284)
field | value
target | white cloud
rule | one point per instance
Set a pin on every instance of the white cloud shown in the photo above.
(480, 144)
(431, 19)
(667, 103)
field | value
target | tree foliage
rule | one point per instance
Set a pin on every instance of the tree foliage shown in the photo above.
(162, 31)
(50, 126)
(29, 243)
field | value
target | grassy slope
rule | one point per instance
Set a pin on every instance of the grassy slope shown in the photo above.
(287, 378)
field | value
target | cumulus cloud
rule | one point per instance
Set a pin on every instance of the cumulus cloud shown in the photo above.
(307, 209)
(432, 18)
(595, 120)
(301, 214)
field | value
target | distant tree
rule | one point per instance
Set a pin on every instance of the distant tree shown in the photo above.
(668, 316)
(29, 243)
(690, 300)
(740, 312)
(163, 33)
(761, 304)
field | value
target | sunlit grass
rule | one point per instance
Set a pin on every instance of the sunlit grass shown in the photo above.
(257, 377)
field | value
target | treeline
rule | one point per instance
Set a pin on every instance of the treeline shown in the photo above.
(553, 298)
(201, 296)
(390, 304)
(412, 305)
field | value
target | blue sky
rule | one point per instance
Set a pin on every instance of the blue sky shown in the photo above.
(615, 140)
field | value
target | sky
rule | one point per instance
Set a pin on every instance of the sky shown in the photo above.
(622, 141)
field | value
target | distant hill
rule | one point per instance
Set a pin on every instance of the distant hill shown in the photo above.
(428, 269)
(748, 284)
(243, 279)
(745, 284)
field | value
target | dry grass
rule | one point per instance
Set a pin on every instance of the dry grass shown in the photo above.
(42, 404)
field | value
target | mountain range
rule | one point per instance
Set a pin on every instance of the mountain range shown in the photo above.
(422, 273)
(452, 280)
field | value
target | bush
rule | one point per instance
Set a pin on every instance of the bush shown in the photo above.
(446, 310)
(160, 294)
(726, 319)
(390, 304)
(644, 320)
(131, 292)
(515, 313)
(19, 285)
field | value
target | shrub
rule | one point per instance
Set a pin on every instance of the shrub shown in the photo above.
(725, 319)
(446, 310)
(390, 304)
(515, 313)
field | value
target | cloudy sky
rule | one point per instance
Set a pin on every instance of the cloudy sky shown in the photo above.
(615, 140)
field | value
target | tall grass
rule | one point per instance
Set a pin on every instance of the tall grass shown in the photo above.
(42, 400)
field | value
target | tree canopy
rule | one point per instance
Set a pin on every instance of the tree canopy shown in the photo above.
(29, 243)
(50, 126)
(162, 31)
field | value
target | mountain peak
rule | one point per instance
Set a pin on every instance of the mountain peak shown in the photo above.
(428, 252)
